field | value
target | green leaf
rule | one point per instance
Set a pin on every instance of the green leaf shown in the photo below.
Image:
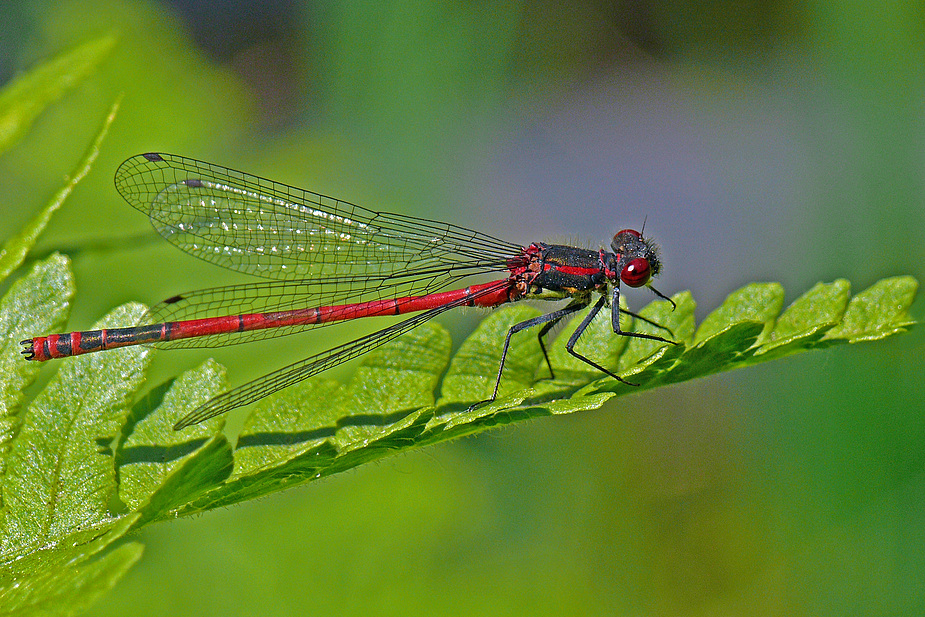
(472, 372)
(66, 576)
(806, 321)
(62, 468)
(84, 465)
(760, 302)
(161, 469)
(14, 250)
(641, 353)
(322, 427)
(24, 98)
(60, 472)
(878, 312)
(35, 304)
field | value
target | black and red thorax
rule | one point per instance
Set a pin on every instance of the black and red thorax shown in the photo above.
(570, 271)
(562, 269)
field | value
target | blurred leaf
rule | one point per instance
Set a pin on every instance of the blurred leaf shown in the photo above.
(15, 249)
(23, 99)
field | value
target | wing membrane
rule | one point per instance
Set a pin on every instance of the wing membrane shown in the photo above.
(268, 229)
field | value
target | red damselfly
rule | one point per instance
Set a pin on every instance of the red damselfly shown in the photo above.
(326, 261)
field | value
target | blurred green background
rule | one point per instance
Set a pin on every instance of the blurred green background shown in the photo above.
(768, 140)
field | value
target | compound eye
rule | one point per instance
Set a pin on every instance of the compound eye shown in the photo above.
(631, 232)
(620, 237)
(636, 273)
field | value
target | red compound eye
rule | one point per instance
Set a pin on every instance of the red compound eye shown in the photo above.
(636, 273)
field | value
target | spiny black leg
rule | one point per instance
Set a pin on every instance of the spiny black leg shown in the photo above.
(615, 320)
(570, 346)
(654, 324)
(663, 297)
(541, 319)
(580, 303)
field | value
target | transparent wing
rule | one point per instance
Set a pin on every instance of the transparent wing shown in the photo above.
(319, 251)
(265, 228)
